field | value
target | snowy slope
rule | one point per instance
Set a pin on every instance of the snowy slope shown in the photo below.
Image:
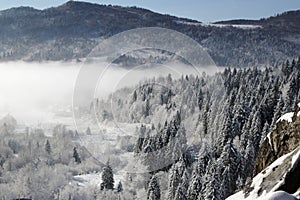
(267, 182)
(240, 26)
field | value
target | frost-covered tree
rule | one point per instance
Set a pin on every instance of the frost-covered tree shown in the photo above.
(230, 169)
(212, 183)
(153, 192)
(197, 183)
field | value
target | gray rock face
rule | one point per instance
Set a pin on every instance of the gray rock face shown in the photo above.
(283, 139)
(277, 181)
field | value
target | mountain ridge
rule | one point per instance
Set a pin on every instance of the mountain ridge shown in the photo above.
(72, 30)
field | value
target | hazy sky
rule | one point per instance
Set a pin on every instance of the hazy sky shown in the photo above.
(206, 11)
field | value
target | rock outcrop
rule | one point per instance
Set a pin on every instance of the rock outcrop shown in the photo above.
(282, 140)
(281, 176)
(277, 170)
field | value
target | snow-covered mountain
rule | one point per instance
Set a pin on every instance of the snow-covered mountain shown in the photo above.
(70, 31)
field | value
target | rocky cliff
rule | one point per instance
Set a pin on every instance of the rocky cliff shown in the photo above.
(277, 170)
(282, 140)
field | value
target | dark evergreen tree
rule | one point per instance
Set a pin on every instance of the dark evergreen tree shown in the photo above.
(107, 178)
(48, 147)
(119, 187)
(230, 168)
(153, 192)
(76, 156)
(180, 194)
(212, 183)
(134, 96)
(196, 183)
(147, 108)
(88, 131)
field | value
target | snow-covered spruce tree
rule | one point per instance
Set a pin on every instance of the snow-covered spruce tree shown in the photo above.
(178, 178)
(107, 178)
(196, 182)
(229, 169)
(153, 192)
(256, 131)
(248, 161)
(195, 186)
(174, 180)
(181, 192)
(212, 182)
(293, 91)
(226, 133)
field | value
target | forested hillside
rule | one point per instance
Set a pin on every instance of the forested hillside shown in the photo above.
(72, 30)
(205, 132)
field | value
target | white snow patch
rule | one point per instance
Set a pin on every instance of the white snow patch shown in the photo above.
(87, 180)
(95, 179)
(286, 117)
(269, 139)
(187, 23)
(241, 26)
(295, 158)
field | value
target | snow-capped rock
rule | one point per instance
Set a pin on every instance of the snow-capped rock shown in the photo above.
(282, 140)
(275, 177)
(278, 165)
(286, 117)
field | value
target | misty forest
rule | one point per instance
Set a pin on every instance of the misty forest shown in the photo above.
(229, 132)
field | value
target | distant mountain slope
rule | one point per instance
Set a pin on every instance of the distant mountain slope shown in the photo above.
(71, 30)
(285, 22)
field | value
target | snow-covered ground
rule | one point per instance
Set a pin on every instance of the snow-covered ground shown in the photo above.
(188, 23)
(241, 26)
(94, 180)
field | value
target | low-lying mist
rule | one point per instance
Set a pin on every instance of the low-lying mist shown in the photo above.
(28, 91)
(33, 92)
